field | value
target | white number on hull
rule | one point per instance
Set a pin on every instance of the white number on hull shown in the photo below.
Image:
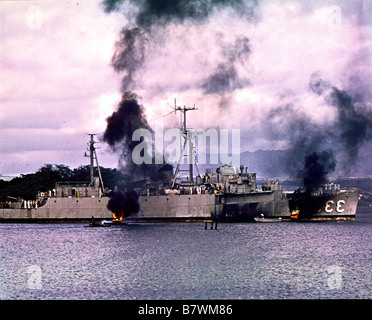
(339, 207)
(328, 207)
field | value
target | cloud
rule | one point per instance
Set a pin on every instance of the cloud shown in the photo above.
(286, 42)
(56, 80)
(270, 70)
(236, 63)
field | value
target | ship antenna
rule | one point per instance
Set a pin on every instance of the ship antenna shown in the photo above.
(188, 137)
(93, 156)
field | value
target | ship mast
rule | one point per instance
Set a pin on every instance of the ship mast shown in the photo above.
(187, 134)
(93, 156)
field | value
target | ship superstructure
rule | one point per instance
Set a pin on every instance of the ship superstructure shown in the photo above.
(225, 194)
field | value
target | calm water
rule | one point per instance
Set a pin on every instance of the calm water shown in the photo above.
(184, 261)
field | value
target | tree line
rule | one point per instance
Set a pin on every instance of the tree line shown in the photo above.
(27, 185)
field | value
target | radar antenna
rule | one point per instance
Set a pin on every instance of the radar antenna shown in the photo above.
(93, 156)
(187, 134)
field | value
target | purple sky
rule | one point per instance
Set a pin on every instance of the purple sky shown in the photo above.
(57, 82)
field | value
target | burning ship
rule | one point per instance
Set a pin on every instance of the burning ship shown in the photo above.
(328, 202)
(228, 194)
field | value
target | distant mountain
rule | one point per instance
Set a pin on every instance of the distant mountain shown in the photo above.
(266, 163)
(275, 164)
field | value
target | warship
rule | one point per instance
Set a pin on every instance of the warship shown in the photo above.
(328, 202)
(227, 194)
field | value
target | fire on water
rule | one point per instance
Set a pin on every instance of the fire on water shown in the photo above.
(118, 217)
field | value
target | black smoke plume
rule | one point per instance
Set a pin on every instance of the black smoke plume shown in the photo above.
(309, 158)
(148, 20)
(152, 12)
(123, 204)
(225, 78)
(121, 125)
(151, 17)
(130, 54)
(316, 151)
(128, 117)
(319, 150)
(353, 124)
(317, 166)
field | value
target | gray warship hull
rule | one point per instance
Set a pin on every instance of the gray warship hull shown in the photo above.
(193, 207)
(152, 208)
(229, 194)
(338, 206)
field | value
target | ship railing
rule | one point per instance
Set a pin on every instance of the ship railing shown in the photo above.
(22, 204)
(182, 190)
(72, 184)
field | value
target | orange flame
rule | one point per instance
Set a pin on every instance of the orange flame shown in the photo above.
(118, 217)
(294, 214)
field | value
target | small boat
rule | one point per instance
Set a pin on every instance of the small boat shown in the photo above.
(261, 218)
(103, 223)
(108, 223)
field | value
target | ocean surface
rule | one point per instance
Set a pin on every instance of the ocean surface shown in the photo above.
(320, 260)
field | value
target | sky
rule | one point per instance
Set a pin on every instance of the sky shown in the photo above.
(57, 83)
(237, 64)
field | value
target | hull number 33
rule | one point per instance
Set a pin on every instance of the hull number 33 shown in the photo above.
(330, 206)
